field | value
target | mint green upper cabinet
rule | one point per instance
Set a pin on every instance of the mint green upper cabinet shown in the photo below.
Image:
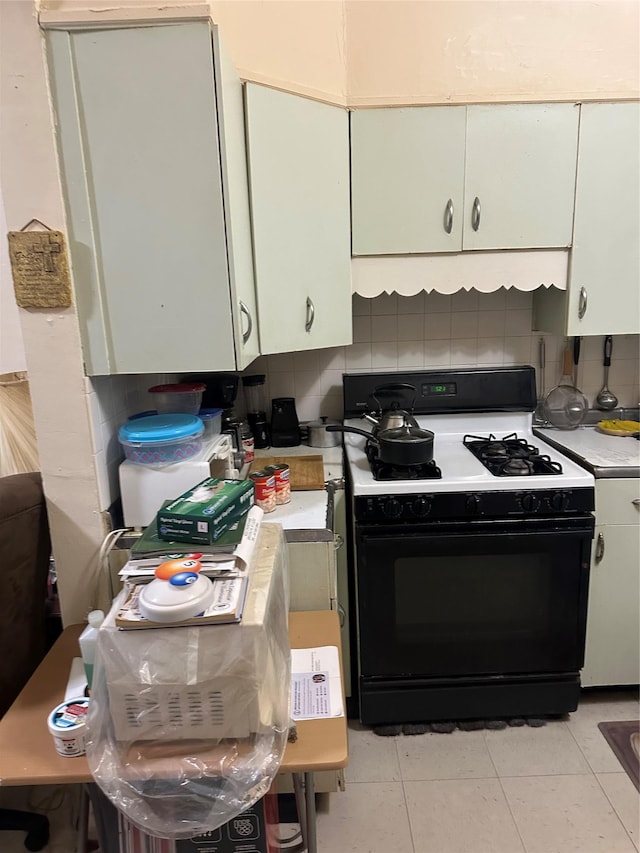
(151, 145)
(437, 179)
(299, 182)
(604, 276)
(407, 180)
(520, 173)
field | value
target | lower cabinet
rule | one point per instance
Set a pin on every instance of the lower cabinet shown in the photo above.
(612, 653)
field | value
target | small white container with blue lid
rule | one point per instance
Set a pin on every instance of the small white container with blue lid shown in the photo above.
(67, 725)
(161, 439)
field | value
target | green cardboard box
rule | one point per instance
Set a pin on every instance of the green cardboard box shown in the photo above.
(204, 513)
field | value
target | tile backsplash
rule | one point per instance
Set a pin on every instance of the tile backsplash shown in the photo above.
(390, 332)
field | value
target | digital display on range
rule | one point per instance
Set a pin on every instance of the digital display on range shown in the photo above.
(442, 389)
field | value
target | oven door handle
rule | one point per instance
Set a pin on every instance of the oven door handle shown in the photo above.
(599, 548)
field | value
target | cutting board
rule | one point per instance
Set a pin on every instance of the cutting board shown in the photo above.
(306, 472)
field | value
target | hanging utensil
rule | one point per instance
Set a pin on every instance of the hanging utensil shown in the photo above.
(605, 399)
(542, 360)
(576, 359)
(565, 406)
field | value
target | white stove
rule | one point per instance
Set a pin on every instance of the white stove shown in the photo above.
(461, 470)
(469, 578)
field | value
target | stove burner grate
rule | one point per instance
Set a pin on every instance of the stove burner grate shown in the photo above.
(384, 471)
(510, 456)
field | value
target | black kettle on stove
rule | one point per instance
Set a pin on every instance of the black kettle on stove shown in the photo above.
(285, 427)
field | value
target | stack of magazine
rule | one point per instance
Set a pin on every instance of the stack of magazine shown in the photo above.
(226, 562)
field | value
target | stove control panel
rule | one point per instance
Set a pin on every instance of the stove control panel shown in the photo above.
(448, 505)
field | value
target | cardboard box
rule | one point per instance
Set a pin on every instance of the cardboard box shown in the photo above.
(206, 511)
(256, 830)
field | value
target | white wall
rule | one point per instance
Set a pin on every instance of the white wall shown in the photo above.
(12, 356)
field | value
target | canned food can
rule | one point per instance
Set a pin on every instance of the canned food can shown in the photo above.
(282, 476)
(265, 489)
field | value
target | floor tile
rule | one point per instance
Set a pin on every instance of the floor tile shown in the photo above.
(607, 705)
(371, 758)
(594, 747)
(460, 816)
(623, 796)
(565, 814)
(459, 755)
(543, 751)
(369, 817)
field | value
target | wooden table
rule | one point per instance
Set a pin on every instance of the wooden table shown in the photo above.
(28, 757)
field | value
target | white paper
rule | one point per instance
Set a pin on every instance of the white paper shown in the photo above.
(77, 683)
(316, 686)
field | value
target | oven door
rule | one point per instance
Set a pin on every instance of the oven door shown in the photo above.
(473, 598)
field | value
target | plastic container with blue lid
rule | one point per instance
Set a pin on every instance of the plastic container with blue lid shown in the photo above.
(212, 420)
(161, 439)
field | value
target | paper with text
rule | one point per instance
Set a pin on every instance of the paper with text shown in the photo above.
(316, 686)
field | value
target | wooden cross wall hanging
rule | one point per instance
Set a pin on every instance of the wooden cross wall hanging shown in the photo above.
(40, 268)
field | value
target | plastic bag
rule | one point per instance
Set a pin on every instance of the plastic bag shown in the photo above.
(187, 726)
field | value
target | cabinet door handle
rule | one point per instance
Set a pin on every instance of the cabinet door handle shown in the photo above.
(582, 303)
(244, 310)
(448, 217)
(311, 314)
(475, 214)
(600, 548)
(636, 502)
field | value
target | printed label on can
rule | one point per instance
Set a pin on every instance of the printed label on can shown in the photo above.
(265, 490)
(282, 476)
(248, 446)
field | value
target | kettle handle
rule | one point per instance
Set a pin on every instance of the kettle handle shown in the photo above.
(394, 386)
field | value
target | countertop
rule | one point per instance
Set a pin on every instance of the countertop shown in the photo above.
(606, 456)
(309, 512)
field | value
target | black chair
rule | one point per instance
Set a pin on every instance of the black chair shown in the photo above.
(25, 548)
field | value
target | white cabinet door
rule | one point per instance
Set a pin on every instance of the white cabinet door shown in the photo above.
(137, 120)
(612, 653)
(299, 182)
(520, 175)
(605, 261)
(407, 176)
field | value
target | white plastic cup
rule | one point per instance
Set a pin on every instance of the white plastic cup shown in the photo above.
(67, 725)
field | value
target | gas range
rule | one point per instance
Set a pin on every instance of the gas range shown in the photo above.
(470, 583)
(485, 463)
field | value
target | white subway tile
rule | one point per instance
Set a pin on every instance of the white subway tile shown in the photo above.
(280, 362)
(411, 354)
(519, 298)
(490, 351)
(358, 357)
(411, 304)
(437, 303)
(306, 360)
(384, 356)
(307, 383)
(386, 303)
(464, 352)
(331, 382)
(437, 327)
(464, 300)
(464, 324)
(410, 327)
(491, 324)
(495, 301)
(361, 306)
(437, 353)
(282, 384)
(384, 328)
(517, 350)
(518, 322)
(331, 358)
(361, 330)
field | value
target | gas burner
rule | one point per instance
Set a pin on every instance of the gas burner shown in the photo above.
(383, 471)
(510, 456)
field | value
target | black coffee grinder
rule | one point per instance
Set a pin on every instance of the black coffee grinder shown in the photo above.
(220, 393)
(254, 393)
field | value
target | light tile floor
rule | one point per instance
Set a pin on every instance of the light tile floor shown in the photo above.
(556, 789)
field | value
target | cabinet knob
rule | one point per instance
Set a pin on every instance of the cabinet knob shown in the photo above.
(448, 217)
(600, 548)
(311, 314)
(582, 303)
(244, 310)
(475, 214)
